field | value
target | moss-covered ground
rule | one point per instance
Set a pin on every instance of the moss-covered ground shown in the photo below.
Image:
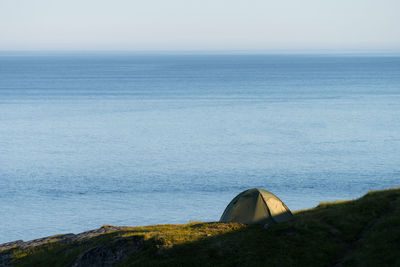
(361, 232)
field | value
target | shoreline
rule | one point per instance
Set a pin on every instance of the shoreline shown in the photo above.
(332, 233)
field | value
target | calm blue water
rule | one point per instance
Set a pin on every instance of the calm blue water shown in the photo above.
(137, 139)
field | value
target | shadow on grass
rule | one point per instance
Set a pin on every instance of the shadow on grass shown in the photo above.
(330, 234)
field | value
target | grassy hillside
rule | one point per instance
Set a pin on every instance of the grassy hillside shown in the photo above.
(362, 232)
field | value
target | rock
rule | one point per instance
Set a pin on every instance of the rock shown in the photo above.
(9, 245)
(109, 254)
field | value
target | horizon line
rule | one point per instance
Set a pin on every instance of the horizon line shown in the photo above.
(210, 51)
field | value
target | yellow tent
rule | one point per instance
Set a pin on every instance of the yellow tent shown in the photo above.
(256, 206)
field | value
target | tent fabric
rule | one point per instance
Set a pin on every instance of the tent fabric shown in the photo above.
(256, 206)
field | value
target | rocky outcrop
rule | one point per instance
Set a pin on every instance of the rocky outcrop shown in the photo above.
(6, 248)
(59, 238)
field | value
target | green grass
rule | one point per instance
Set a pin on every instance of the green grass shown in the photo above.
(362, 232)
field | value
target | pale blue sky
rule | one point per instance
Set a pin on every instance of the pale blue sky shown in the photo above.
(199, 25)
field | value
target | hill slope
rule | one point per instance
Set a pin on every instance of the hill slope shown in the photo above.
(359, 232)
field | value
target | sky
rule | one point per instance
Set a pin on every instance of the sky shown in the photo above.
(199, 25)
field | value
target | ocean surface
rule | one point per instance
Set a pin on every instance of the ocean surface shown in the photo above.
(88, 139)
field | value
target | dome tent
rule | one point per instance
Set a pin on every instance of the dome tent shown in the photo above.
(256, 206)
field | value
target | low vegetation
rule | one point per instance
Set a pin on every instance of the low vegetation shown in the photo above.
(362, 232)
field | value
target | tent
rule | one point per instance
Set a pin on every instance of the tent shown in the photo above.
(256, 206)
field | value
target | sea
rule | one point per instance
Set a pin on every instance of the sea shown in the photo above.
(124, 138)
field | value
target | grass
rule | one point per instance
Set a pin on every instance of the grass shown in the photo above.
(362, 232)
